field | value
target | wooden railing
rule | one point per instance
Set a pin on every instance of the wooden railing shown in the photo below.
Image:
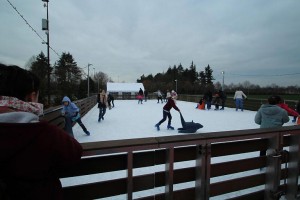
(220, 165)
(194, 166)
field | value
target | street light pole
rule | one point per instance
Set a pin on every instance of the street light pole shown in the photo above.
(45, 26)
(223, 80)
(88, 93)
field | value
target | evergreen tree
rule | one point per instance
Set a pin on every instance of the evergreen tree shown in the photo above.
(193, 75)
(68, 76)
(40, 68)
(208, 75)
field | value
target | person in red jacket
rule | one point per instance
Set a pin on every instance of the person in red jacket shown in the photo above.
(32, 152)
(166, 112)
(281, 104)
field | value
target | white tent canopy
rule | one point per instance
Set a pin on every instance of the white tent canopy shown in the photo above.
(124, 87)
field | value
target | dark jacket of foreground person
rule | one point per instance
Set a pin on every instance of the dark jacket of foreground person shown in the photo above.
(32, 153)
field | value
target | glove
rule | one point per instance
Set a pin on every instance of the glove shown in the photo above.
(63, 113)
(75, 117)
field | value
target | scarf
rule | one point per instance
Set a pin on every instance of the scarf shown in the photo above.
(17, 104)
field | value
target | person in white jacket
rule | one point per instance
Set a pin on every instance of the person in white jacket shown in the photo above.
(238, 98)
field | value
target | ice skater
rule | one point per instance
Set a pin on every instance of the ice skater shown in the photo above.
(102, 104)
(140, 96)
(71, 113)
(166, 112)
(238, 98)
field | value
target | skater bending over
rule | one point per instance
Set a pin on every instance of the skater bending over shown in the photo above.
(166, 112)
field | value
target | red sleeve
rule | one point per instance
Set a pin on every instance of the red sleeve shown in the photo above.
(174, 105)
(289, 110)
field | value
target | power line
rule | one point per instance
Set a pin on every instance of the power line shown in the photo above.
(43, 41)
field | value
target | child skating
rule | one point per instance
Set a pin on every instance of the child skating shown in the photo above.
(166, 112)
(71, 113)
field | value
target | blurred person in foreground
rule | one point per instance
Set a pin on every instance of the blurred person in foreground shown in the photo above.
(271, 116)
(32, 151)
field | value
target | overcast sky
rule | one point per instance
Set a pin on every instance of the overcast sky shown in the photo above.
(252, 40)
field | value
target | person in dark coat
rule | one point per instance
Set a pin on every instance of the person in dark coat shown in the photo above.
(146, 95)
(32, 152)
(140, 96)
(110, 100)
(208, 98)
(223, 98)
(166, 113)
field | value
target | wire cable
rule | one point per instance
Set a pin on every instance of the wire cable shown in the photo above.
(43, 41)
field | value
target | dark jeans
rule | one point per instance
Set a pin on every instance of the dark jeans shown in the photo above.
(208, 105)
(165, 115)
(159, 98)
(69, 125)
(102, 111)
(223, 103)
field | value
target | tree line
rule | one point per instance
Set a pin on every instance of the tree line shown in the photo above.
(185, 81)
(191, 81)
(66, 79)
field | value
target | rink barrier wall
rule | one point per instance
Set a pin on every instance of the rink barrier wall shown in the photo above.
(249, 103)
(53, 114)
(187, 167)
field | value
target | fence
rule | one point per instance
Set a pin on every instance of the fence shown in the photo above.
(249, 103)
(220, 165)
(185, 167)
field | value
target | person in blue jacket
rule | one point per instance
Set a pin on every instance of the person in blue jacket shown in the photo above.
(71, 113)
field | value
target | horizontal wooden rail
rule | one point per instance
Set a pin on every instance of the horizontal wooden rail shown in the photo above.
(195, 166)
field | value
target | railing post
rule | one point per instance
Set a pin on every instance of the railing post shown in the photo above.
(169, 173)
(273, 169)
(203, 172)
(129, 175)
(293, 168)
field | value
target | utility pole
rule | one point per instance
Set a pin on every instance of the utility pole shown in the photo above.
(88, 93)
(45, 27)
